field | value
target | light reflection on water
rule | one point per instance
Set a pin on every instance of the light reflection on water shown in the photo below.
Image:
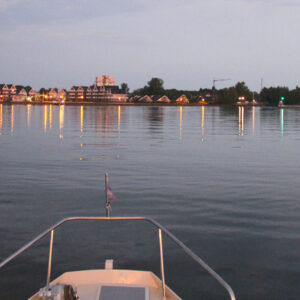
(61, 120)
(224, 180)
(1, 113)
(45, 117)
(28, 115)
(253, 119)
(12, 119)
(282, 120)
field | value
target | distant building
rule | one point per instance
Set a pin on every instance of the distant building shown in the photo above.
(31, 93)
(7, 91)
(209, 98)
(182, 100)
(72, 93)
(105, 80)
(133, 99)
(62, 94)
(145, 99)
(103, 90)
(11, 92)
(53, 94)
(163, 99)
(20, 95)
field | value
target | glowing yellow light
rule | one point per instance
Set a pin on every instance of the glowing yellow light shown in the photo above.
(119, 117)
(253, 119)
(241, 120)
(80, 158)
(203, 110)
(243, 113)
(180, 123)
(81, 118)
(1, 112)
(61, 120)
(50, 116)
(28, 114)
(45, 117)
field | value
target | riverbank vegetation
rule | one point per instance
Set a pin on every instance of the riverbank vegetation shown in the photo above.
(229, 95)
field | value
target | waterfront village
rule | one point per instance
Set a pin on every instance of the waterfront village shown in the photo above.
(105, 91)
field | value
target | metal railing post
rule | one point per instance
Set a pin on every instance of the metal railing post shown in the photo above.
(50, 258)
(161, 229)
(162, 269)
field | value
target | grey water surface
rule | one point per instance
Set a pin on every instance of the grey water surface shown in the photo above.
(224, 180)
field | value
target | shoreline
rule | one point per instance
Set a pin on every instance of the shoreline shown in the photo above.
(125, 104)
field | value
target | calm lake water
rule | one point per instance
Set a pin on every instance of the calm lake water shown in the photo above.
(224, 180)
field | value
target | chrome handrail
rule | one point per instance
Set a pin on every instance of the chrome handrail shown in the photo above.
(189, 252)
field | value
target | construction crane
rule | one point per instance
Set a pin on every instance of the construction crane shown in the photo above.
(216, 80)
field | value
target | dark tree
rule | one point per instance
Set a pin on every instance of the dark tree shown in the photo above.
(294, 96)
(243, 90)
(273, 95)
(230, 95)
(125, 88)
(42, 91)
(156, 86)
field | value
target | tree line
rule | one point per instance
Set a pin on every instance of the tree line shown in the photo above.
(229, 95)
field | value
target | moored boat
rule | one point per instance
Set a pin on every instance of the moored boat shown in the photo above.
(110, 283)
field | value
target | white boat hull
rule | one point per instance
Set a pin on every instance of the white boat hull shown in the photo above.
(114, 284)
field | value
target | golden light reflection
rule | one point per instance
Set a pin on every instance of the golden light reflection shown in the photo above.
(61, 120)
(119, 117)
(1, 116)
(253, 118)
(203, 114)
(50, 116)
(180, 124)
(28, 115)
(45, 117)
(81, 118)
(241, 120)
(12, 119)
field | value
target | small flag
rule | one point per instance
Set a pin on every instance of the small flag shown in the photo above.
(110, 195)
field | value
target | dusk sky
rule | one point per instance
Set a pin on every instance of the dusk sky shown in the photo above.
(187, 43)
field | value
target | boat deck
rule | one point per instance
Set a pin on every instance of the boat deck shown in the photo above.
(114, 284)
(109, 283)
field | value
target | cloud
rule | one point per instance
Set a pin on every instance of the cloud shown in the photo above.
(42, 12)
(6, 4)
(276, 2)
(16, 13)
